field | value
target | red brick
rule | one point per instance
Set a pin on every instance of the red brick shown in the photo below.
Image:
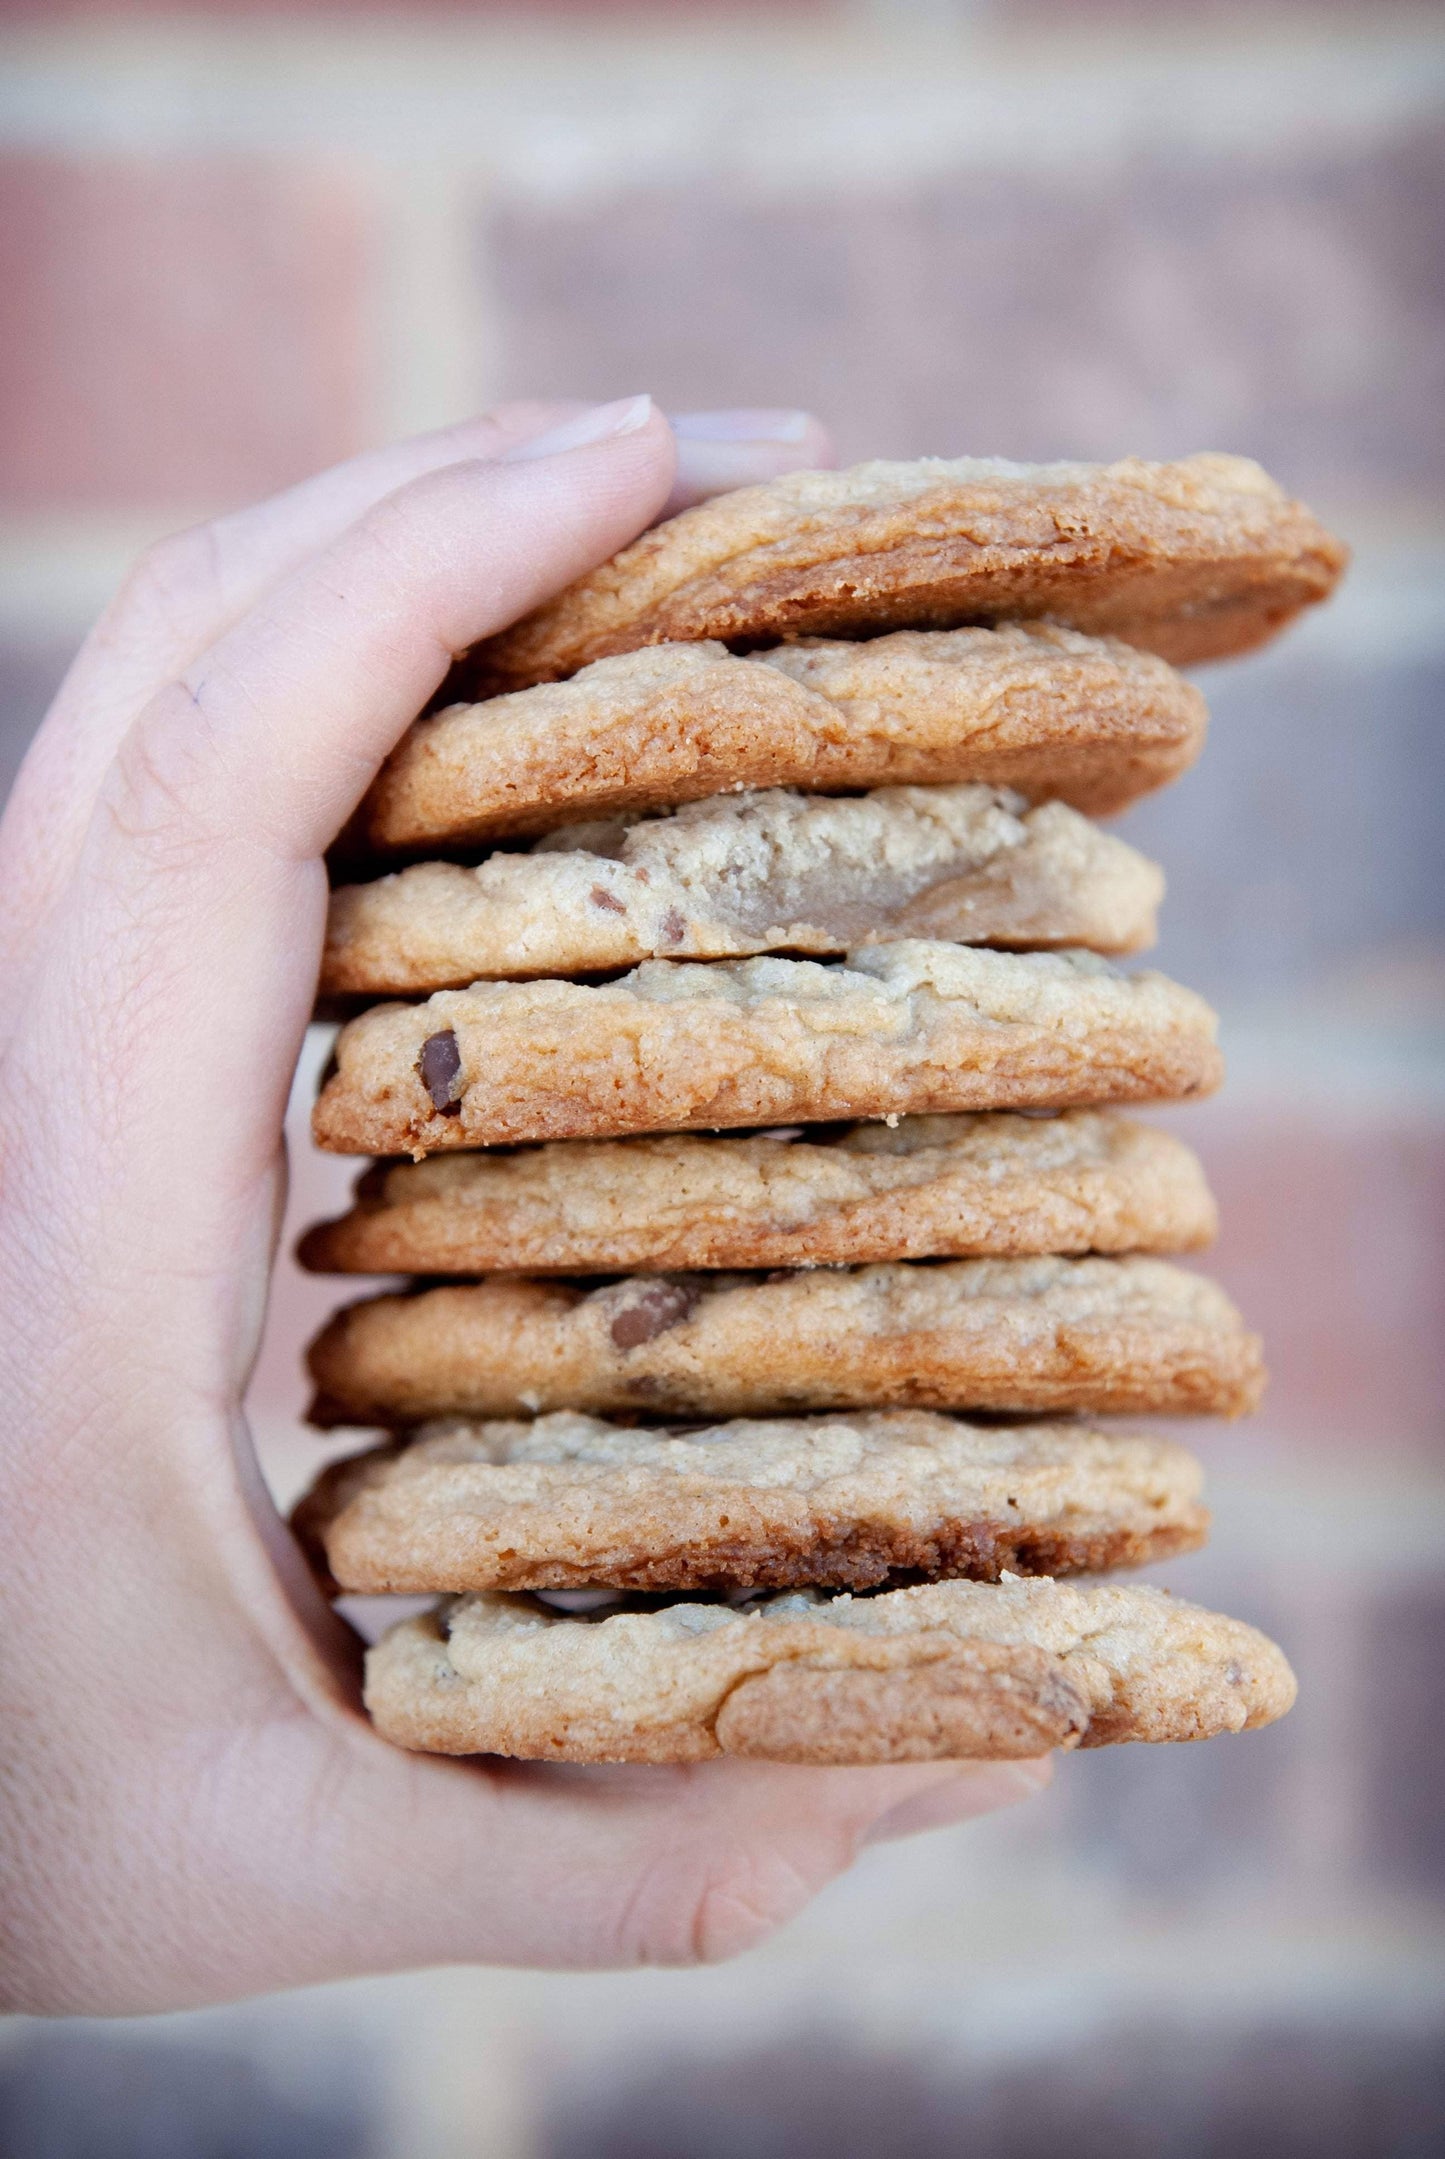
(183, 333)
(1300, 2083)
(1286, 305)
(1063, 14)
(1402, 1737)
(102, 10)
(1294, 854)
(1333, 1243)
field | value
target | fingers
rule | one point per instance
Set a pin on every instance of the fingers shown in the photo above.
(192, 586)
(181, 596)
(271, 737)
(742, 448)
(413, 1861)
(977, 1789)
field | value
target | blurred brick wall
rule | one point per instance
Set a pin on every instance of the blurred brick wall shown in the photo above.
(238, 241)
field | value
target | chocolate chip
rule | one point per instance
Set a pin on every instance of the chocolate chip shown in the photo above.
(673, 928)
(601, 897)
(660, 1306)
(440, 1067)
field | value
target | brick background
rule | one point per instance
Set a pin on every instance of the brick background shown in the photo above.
(1293, 309)
(1306, 844)
(1292, 2093)
(100, 11)
(1333, 1242)
(180, 335)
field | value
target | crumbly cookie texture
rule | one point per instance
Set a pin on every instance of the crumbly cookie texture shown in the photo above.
(1039, 708)
(929, 1187)
(1193, 560)
(834, 1501)
(963, 1670)
(777, 871)
(1043, 1335)
(910, 1027)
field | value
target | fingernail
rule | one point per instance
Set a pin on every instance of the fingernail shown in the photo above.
(977, 1790)
(741, 423)
(624, 417)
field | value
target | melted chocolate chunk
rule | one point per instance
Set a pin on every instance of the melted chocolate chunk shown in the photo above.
(440, 1067)
(660, 1306)
(601, 897)
(673, 928)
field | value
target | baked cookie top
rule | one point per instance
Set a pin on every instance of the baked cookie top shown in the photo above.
(743, 874)
(966, 1670)
(927, 1187)
(908, 1027)
(839, 1501)
(1048, 1336)
(1194, 560)
(1035, 707)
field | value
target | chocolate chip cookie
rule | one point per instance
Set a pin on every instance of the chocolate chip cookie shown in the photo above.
(1035, 707)
(925, 1188)
(916, 1026)
(1104, 1336)
(1194, 560)
(744, 874)
(951, 1670)
(837, 1501)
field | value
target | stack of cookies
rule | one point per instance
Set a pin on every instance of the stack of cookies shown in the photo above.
(754, 1029)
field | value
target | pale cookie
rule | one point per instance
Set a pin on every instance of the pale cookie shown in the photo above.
(929, 1187)
(837, 1502)
(902, 1028)
(1194, 560)
(1039, 708)
(1042, 1335)
(749, 873)
(951, 1670)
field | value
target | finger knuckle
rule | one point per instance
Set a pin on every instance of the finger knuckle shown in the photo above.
(154, 791)
(169, 576)
(731, 1902)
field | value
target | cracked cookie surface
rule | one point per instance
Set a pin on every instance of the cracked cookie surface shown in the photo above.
(1048, 1335)
(744, 874)
(840, 1501)
(1194, 560)
(928, 1187)
(901, 1028)
(1036, 707)
(961, 1670)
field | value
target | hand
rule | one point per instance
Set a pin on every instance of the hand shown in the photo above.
(192, 1804)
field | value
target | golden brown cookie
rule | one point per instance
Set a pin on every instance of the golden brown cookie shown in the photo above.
(1031, 1335)
(926, 1188)
(1033, 707)
(919, 1026)
(1194, 560)
(950, 1670)
(742, 874)
(846, 1502)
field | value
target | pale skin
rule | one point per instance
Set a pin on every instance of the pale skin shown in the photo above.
(192, 1805)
